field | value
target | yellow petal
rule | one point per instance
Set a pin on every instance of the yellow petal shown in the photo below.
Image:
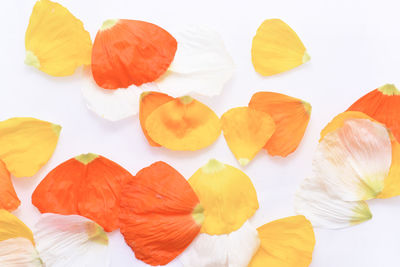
(12, 227)
(392, 181)
(183, 124)
(227, 195)
(55, 40)
(246, 131)
(288, 242)
(277, 48)
(26, 144)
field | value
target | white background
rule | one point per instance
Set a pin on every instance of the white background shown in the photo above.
(354, 48)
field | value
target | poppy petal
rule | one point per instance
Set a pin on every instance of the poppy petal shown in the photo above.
(229, 250)
(149, 101)
(277, 48)
(8, 197)
(354, 160)
(12, 227)
(202, 65)
(113, 105)
(383, 105)
(183, 124)
(55, 41)
(328, 211)
(246, 131)
(291, 116)
(160, 214)
(286, 242)
(392, 181)
(71, 241)
(127, 52)
(19, 252)
(87, 185)
(26, 144)
(227, 195)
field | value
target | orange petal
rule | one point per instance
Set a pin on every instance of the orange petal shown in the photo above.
(160, 214)
(127, 52)
(291, 116)
(246, 132)
(183, 124)
(392, 181)
(8, 198)
(383, 105)
(88, 185)
(149, 101)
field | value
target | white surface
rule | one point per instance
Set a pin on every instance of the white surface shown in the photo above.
(354, 48)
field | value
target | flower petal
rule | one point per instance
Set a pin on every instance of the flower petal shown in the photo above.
(286, 242)
(291, 116)
(227, 195)
(26, 144)
(19, 252)
(276, 48)
(87, 185)
(183, 124)
(12, 227)
(354, 160)
(149, 101)
(160, 214)
(201, 65)
(246, 131)
(72, 240)
(127, 52)
(327, 211)
(55, 41)
(8, 197)
(229, 250)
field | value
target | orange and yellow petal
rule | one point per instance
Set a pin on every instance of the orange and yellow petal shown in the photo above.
(26, 144)
(277, 48)
(183, 124)
(127, 52)
(87, 185)
(160, 214)
(56, 41)
(12, 227)
(227, 195)
(291, 116)
(287, 242)
(8, 197)
(149, 101)
(246, 132)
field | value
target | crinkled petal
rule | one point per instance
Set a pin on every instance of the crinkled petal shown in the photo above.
(19, 252)
(65, 241)
(354, 160)
(228, 250)
(26, 144)
(327, 211)
(201, 65)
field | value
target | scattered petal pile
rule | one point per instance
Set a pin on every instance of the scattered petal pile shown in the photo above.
(55, 41)
(89, 185)
(277, 48)
(160, 214)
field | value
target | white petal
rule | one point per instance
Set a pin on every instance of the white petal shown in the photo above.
(116, 104)
(354, 160)
(231, 250)
(327, 211)
(201, 65)
(19, 252)
(71, 240)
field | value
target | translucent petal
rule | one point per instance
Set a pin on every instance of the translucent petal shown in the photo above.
(12, 227)
(227, 195)
(8, 197)
(19, 252)
(201, 65)
(26, 144)
(228, 250)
